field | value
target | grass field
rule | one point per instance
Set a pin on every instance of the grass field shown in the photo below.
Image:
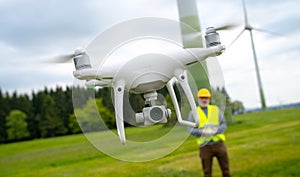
(260, 145)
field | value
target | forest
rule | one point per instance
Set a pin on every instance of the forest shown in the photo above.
(50, 112)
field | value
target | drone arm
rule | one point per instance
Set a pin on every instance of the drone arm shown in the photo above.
(208, 52)
(93, 77)
(119, 93)
(194, 55)
(86, 74)
(101, 83)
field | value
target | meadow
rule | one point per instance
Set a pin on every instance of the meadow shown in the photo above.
(264, 144)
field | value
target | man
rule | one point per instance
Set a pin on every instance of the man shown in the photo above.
(209, 134)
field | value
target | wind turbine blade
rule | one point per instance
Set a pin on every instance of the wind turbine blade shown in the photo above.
(188, 16)
(236, 38)
(245, 13)
(266, 31)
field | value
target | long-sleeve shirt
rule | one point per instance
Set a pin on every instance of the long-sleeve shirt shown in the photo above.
(197, 131)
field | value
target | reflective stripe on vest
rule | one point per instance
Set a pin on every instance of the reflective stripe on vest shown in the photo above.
(211, 118)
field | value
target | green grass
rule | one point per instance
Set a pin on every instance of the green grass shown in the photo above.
(259, 144)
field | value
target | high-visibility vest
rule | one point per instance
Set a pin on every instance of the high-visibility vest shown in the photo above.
(211, 118)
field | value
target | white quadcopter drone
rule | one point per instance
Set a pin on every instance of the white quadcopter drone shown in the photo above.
(148, 73)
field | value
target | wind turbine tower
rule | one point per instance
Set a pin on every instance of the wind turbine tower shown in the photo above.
(249, 28)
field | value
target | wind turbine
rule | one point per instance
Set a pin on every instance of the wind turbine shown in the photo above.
(249, 28)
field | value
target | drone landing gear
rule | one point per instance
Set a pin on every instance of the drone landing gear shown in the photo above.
(119, 94)
(181, 77)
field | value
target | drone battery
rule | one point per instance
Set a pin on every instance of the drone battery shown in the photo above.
(82, 62)
(212, 38)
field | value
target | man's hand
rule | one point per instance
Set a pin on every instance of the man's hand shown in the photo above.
(208, 131)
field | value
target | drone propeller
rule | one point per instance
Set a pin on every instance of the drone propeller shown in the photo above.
(64, 58)
(226, 27)
(61, 58)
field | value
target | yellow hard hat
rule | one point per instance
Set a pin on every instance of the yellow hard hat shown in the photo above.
(204, 93)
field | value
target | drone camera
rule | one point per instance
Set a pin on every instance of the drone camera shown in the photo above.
(153, 115)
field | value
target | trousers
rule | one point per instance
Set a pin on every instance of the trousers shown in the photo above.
(219, 151)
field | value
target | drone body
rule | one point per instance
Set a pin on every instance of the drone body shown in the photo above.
(145, 74)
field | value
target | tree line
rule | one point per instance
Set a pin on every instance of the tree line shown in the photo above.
(50, 112)
(39, 115)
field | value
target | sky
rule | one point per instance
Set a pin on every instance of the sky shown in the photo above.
(32, 31)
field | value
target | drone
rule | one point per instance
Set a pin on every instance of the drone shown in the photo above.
(147, 74)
